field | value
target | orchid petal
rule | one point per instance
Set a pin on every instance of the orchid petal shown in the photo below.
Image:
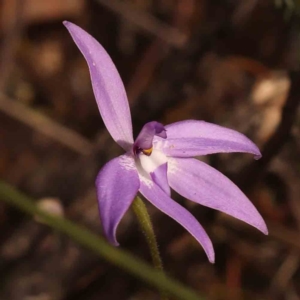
(193, 138)
(107, 85)
(149, 130)
(201, 183)
(168, 206)
(159, 176)
(117, 184)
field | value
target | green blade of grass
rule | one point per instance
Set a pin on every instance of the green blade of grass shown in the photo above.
(99, 246)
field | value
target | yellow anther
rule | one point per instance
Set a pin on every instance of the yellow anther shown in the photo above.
(147, 151)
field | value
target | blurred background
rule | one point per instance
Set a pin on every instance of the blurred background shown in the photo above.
(234, 63)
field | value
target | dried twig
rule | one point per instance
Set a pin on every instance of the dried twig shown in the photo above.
(280, 233)
(45, 125)
(285, 273)
(148, 23)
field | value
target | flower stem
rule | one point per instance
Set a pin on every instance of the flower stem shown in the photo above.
(145, 223)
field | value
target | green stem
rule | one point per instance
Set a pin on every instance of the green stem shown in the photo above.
(99, 246)
(145, 223)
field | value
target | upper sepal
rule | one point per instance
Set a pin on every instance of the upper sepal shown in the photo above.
(107, 85)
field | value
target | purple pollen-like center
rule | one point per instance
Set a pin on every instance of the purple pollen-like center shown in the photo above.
(144, 141)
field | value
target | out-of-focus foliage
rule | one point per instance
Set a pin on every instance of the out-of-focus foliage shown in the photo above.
(290, 7)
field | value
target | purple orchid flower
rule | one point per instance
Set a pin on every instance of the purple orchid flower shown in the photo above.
(160, 157)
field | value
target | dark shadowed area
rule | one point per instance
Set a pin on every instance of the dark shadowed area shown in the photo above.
(230, 62)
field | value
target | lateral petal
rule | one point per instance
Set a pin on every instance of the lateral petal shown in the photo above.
(203, 184)
(117, 184)
(171, 208)
(107, 85)
(193, 138)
